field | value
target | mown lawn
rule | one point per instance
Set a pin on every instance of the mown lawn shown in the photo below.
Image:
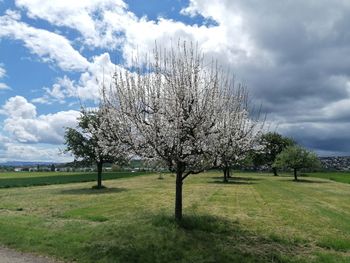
(24, 179)
(254, 218)
(343, 177)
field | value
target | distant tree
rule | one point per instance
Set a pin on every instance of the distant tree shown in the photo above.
(236, 132)
(116, 168)
(84, 142)
(52, 168)
(296, 158)
(272, 144)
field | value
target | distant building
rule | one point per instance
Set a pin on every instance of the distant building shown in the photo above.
(338, 163)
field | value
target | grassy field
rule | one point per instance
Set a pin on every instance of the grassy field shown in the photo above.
(342, 177)
(254, 218)
(24, 179)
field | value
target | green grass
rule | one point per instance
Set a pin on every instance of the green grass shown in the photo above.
(24, 179)
(254, 218)
(342, 177)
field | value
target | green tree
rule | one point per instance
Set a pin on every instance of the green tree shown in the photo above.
(272, 144)
(296, 158)
(84, 142)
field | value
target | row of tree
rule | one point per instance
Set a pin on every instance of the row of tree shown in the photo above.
(177, 108)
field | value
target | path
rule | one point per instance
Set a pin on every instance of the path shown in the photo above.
(12, 256)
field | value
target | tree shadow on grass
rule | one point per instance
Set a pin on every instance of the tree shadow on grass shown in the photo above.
(197, 238)
(229, 182)
(239, 178)
(307, 181)
(92, 191)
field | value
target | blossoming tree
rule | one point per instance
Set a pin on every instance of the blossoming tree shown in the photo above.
(87, 142)
(171, 106)
(237, 132)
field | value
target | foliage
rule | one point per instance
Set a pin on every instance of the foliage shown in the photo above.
(85, 142)
(272, 144)
(296, 158)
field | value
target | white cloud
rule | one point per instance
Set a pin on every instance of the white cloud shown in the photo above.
(115, 27)
(42, 100)
(100, 73)
(2, 71)
(3, 141)
(3, 86)
(87, 17)
(48, 45)
(23, 124)
(19, 107)
(88, 86)
(62, 89)
(108, 24)
(23, 152)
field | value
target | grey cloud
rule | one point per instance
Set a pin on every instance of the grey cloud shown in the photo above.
(293, 55)
(322, 137)
(302, 77)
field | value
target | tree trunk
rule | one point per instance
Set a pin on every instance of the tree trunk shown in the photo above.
(295, 175)
(225, 174)
(99, 174)
(229, 172)
(178, 195)
(274, 169)
(180, 169)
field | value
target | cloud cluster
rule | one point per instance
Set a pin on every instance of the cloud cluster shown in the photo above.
(24, 152)
(98, 21)
(87, 87)
(33, 137)
(49, 46)
(291, 54)
(24, 125)
(301, 76)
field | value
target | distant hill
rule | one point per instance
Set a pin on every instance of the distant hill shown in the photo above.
(20, 163)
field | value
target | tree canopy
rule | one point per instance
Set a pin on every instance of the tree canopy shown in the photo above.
(272, 144)
(84, 142)
(171, 108)
(296, 158)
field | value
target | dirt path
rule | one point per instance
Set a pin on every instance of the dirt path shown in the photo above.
(12, 256)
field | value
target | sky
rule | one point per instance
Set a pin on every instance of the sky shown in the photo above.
(292, 55)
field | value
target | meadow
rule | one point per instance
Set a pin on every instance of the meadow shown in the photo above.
(253, 218)
(343, 177)
(24, 179)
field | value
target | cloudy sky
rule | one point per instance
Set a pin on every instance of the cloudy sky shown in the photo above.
(293, 55)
